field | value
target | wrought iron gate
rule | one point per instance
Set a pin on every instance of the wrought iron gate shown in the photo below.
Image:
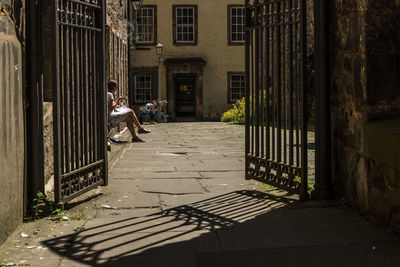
(276, 116)
(79, 97)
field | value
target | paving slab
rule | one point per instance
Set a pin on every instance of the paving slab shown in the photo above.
(223, 174)
(162, 260)
(315, 256)
(169, 201)
(171, 186)
(128, 169)
(235, 184)
(100, 248)
(156, 175)
(139, 200)
(305, 227)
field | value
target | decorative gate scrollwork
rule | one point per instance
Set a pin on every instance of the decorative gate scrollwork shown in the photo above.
(79, 97)
(276, 114)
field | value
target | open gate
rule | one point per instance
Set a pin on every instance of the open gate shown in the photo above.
(276, 114)
(79, 97)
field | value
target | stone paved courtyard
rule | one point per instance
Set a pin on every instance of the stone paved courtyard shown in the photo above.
(180, 199)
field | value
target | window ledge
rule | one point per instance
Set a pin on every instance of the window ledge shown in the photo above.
(142, 48)
(382, 142)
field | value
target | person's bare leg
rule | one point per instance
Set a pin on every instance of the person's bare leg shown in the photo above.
(129, 124)
(135, 120)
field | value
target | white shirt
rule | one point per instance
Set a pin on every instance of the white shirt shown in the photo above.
(110, 97)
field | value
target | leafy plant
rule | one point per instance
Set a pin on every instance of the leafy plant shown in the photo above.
(310, 186)
(39, 203)
(268, 187)
(236, 115)
(58, 212)
(60, 215)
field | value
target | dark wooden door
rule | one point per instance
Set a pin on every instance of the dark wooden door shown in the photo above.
(185, 95)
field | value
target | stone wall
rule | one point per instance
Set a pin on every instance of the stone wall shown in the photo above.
(310, 24)
(48, 147)
(365, 86)
(11, 125)
(383, 58)
(117, 48)
(117, 44)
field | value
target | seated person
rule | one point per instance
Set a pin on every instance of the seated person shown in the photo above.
(151, 109)
(118, 114)
(162, 107)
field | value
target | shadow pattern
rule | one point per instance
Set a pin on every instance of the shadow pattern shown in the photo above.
(109, 243)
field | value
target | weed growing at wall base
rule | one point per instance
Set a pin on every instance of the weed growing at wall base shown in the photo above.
(236, 114)
(39, 203)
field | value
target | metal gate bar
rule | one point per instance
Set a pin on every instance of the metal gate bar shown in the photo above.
(276, 115)
(79, 97)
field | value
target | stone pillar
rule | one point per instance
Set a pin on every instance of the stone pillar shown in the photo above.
(364, 89)
(12, 129)
(323, 177)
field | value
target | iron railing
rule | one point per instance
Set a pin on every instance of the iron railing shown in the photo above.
(79, 97)
(276, 115)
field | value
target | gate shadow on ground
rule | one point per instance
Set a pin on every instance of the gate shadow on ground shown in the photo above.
(116, 242)
(237, 229)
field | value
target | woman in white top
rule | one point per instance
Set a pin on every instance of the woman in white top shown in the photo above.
(118, 114)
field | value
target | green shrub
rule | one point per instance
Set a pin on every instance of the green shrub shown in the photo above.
(236, 114)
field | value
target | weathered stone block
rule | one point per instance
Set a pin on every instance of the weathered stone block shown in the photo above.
(381, 142)
(384, 194)
(365, 86)
(11, 129)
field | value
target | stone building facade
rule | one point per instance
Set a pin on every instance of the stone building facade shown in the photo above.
(212, 63)
(365, 106)
(203, 57)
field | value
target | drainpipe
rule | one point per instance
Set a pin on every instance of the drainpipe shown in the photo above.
(323, 182)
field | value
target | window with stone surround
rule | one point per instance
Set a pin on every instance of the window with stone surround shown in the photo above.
(236, 25)
(185, 24)
(236, 86)
(147, 26)
(143, 88)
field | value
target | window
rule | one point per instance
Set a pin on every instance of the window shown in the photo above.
(146, 26)
(143, 88)
(144, 84)
(236, 86)
(185, 25)
(236, 25)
